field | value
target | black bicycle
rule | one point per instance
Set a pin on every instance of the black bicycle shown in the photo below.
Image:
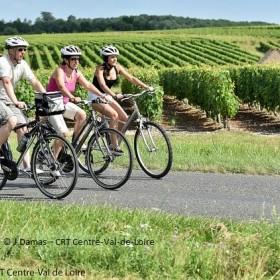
(95, 147)
(55, 176)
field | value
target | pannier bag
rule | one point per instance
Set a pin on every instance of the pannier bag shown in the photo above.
(49, 103)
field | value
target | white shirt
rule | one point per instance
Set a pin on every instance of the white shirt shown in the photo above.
(15, 73)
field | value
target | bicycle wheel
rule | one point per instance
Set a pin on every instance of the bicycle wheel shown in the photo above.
(108, 168)
(8, 167)
(57, 177)
(3, 176)
(153, 150)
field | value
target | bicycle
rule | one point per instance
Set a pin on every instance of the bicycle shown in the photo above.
(54, 182)
(108, 169)
(151, 143)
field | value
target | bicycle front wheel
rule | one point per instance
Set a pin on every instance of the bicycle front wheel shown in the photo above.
(153, 150)
(55, 176)
(6, 171)
(109, 169)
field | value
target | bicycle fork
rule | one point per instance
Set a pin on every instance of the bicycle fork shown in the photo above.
(150, 148)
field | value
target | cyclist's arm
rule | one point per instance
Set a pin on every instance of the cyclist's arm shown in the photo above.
(88, 85)
(131, 78)
(8, 86)
(37, 86)
(30, 77)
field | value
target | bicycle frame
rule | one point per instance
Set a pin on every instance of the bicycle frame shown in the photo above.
(136, 115)
(89, 126)
(36, 132)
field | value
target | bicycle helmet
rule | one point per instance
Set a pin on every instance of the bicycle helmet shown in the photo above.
(13, 42)
(70, 51)
(109, 50)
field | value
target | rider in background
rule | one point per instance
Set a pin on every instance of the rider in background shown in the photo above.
(13, 68)
(106, 75)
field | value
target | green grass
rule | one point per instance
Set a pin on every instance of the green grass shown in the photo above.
(180, 247)
(227, 152)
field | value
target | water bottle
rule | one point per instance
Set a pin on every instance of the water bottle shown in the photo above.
(22, 143)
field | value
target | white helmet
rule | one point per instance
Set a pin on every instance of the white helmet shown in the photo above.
(70, 51)
(15, 42)
(109, 50)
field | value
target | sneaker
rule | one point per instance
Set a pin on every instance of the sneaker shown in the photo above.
(56, 173)
(38, 170)
(116, 151)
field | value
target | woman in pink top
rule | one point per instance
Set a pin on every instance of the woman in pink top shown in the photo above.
(64, 79)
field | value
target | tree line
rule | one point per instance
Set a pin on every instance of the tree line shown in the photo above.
(47, 23)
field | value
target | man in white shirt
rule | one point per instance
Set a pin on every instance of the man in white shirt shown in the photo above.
(13, 68)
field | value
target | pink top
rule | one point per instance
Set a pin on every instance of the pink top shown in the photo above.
(70, 84)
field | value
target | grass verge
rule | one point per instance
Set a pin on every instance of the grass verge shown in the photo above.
(103, 243)
(227, 152)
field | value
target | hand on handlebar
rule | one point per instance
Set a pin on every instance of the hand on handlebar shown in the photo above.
(150, 88)
(75, 99)
(20, 104)
(119, 96)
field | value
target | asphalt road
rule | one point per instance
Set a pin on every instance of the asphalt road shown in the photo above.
(192, 194)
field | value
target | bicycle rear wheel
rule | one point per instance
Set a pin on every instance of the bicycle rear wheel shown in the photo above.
(57, 176)
(153, 150)
(109, 169)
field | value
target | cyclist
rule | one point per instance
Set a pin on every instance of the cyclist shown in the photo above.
(64, 79)
(106, 75)
(13, 68)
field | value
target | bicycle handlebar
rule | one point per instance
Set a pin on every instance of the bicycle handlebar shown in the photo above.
(47, 92)
(136, 95)
(98, 100)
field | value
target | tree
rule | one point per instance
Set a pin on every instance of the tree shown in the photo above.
(8, 30)
(47, 17)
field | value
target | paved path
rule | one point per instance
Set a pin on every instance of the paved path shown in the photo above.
(188, 193)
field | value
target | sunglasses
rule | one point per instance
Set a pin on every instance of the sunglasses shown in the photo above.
(75, 58)
(21, 49)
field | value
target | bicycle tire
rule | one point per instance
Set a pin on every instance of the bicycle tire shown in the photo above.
(108, 170)
(3, 179)
(151, 146)
(55, 182)
(5, 154)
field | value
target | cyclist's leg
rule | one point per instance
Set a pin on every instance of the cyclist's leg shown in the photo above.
(121, 113)
(58, 123)
(108, 111)
(21, 119)
(74, 112)
(8, 122)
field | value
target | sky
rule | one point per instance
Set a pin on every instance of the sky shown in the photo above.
(235, 10)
